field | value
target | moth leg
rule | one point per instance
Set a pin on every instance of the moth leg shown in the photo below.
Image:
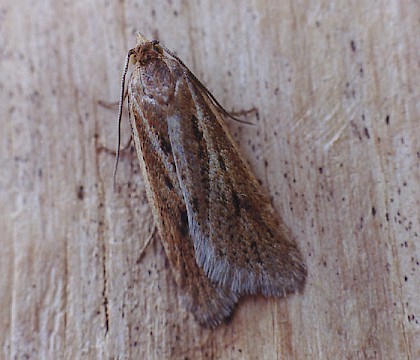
(147, 243)
(244, 112)
(236, 115)
(108, 104)
(112, 104)
(113, 152)
(127, 146)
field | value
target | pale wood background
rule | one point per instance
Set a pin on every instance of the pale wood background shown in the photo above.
(336, 144)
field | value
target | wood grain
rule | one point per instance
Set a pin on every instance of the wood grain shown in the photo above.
(336, 144)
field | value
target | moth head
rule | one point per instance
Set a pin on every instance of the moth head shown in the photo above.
(145, 50)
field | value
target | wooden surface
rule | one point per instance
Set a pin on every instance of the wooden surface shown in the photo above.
(336, 145)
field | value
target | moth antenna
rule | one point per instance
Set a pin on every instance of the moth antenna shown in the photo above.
(120, 105)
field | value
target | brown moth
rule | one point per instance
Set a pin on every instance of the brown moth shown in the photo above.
(220, 233)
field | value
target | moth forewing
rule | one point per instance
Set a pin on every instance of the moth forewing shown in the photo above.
(241, 244)
(218, 228)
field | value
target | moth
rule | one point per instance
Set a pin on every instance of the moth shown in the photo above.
(219, 231)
